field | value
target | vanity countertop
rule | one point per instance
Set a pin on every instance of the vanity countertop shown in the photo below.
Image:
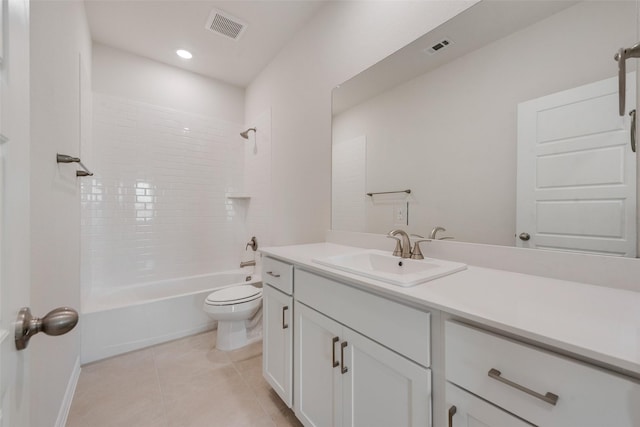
(594, 322)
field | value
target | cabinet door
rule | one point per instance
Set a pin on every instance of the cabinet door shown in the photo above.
(466, 410)
(317, 368)
(277, 341)
(382, 388)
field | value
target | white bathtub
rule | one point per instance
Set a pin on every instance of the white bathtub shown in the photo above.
(117, 321)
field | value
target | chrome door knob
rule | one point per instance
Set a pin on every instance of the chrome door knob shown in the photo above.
(524, 236)
(58, 321)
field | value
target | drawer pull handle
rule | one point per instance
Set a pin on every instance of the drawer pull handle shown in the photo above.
(549, 397)
(284, 309)
(333, 351)
(344, 369)
(272, 274)
(452, 412)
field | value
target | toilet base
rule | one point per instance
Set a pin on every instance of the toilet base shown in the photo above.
(233, 335)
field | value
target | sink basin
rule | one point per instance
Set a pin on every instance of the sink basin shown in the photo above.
(385, 267)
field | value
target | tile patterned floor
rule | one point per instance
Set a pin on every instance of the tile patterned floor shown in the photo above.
(183, 383)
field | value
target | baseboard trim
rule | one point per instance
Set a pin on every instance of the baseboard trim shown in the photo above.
(63, 414)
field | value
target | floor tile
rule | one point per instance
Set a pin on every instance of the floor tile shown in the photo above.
(247, 352)
(183, 383)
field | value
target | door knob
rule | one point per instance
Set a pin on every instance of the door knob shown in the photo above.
(524, 236)
(58, 321)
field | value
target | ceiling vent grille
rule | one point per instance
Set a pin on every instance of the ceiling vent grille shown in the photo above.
(226, 25)
(437, 47)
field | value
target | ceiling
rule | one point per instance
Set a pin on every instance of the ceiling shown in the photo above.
(155, 29)
(477, 26)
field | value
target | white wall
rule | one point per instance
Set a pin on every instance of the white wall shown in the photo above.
(349, 184)
(119, 73)
(166, 151)
(257, 183)
(156, 207)
(450, 135)
(343, 39)
(59, 41)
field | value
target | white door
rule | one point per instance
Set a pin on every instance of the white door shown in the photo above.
(317, 368)
(277, 339)
(382, 388)
(14, 209)
(577, 172)
(466, 410)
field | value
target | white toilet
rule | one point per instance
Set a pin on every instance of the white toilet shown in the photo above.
(238, 309)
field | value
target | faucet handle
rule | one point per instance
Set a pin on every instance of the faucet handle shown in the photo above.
(416, 253)
(398, 250)
(253, 244)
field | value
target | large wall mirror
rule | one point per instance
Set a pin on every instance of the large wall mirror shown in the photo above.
(503, 123)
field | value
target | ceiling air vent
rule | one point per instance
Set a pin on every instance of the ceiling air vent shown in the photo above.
(442, 44)
(226, 25)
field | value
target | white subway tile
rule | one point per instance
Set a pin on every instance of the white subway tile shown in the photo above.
(156, 208)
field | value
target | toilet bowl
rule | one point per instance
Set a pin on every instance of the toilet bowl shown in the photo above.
(235, 308)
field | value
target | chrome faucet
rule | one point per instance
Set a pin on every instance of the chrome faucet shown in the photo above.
(432, 236)
(403, 248)
(435, 231)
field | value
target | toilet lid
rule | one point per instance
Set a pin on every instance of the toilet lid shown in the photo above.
(234, 295)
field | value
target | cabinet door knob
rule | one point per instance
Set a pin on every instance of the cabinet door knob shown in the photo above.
(344, 369)
(452, 412)
(284, 324)
(333, 351)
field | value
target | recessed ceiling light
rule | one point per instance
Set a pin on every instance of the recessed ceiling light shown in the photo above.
(185, 54)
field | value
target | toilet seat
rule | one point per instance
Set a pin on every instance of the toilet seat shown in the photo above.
(233, 295)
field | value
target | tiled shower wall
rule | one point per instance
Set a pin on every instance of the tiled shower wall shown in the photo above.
(257, 181)
(156, 207)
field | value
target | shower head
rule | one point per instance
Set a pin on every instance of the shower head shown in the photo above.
(245, 134)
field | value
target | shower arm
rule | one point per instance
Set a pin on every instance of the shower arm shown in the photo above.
(245, 134)
(622, 56)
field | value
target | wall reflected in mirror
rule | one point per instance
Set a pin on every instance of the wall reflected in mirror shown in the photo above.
(502, 121)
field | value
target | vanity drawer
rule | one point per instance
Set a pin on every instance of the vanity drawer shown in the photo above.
(586, 396)
(403, 329)
(278, 274)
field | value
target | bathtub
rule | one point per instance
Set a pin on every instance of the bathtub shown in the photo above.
(116, 321)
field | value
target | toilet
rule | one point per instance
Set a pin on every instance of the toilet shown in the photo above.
(238, 309)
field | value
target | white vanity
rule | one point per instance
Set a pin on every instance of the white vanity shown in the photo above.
(478, 347)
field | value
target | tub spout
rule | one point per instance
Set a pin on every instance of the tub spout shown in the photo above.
(247, 264)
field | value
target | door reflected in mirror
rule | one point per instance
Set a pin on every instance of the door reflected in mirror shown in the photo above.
(502, 122)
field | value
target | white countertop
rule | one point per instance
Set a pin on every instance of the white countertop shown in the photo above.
(594, 322)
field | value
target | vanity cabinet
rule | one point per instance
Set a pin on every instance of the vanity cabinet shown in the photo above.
(344, 378)
(342, 351)
(317, 368)
(538, 386)
(277, 323)
(466, 410)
